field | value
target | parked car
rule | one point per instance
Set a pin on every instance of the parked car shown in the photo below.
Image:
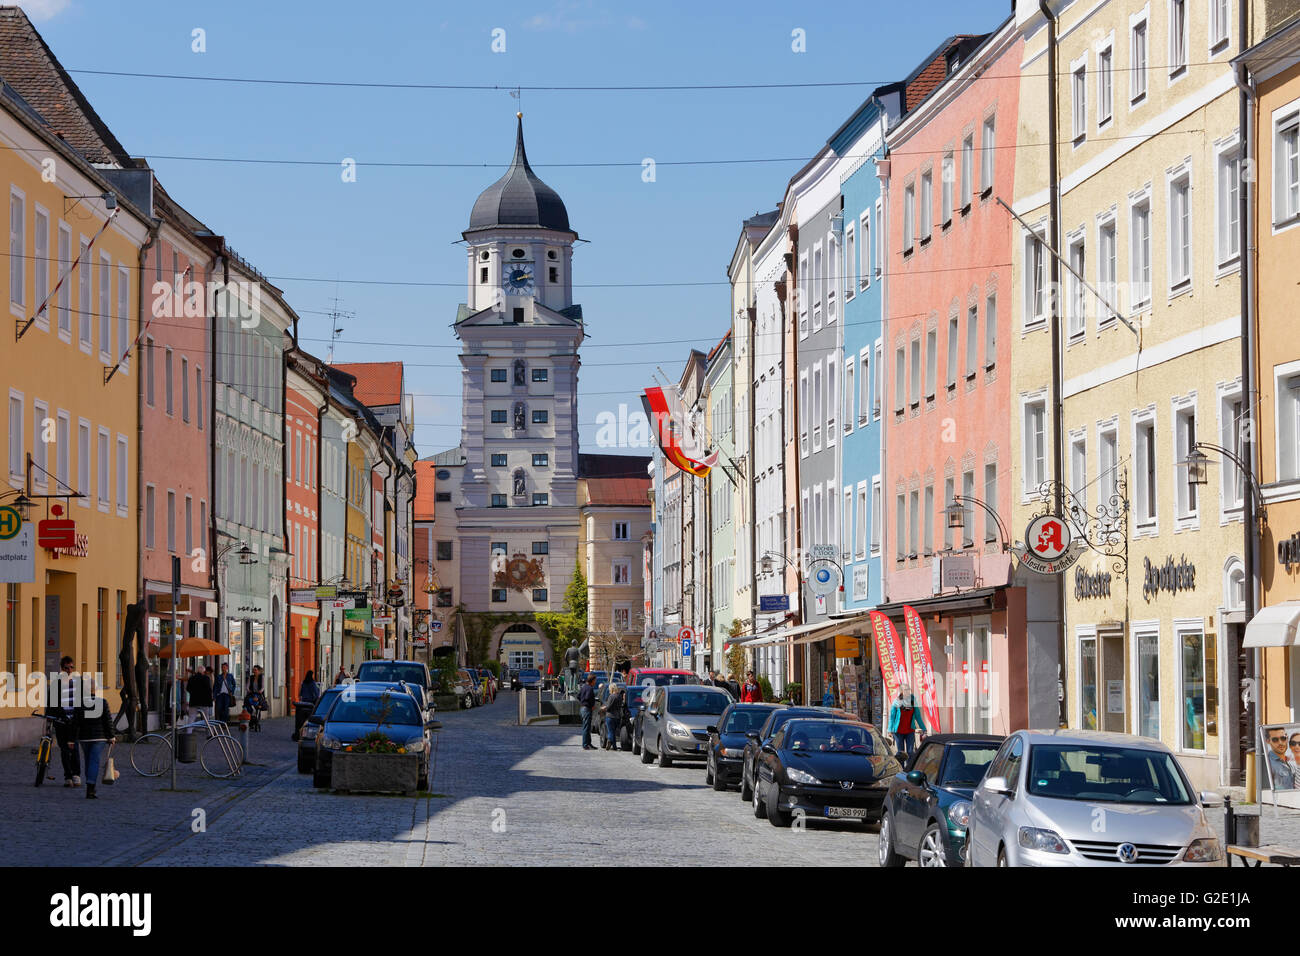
(754, 740)
(473, 691)
(413, 672)
(662, 676)
(927, 809)
(675, 722)
(727, 739)
(633, 698)
(352, 716)
(825, 768)
(530, 678)
(1040, 800)
(307, 734)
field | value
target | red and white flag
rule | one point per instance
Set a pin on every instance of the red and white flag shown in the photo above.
(919, 643)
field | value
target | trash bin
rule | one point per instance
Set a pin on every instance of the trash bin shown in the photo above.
(1247, 823)
(187, 750)
(301, 711)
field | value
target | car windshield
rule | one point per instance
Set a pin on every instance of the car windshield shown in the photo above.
(830, 737)
(697, 702)
(390, 671)
(634, 694)
(667, 680)
(389, 709)
(783, 717)
(326, 701)
(1111, 774)
(743, 720)
(966, 764)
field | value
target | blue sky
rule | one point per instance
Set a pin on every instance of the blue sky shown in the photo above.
(392, 225)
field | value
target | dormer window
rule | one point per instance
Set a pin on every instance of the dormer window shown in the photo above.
(519, 316)
(552, 254)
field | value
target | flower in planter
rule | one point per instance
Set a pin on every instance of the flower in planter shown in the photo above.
(401, 750)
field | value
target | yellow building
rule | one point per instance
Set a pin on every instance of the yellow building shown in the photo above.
(1273, 69)
(68, 432)
(1148, 166)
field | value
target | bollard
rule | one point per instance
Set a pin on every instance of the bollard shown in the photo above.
(1229, 822)
(523, 705)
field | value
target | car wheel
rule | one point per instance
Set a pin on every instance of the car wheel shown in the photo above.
(708, 773)
(1002, 857)
(932, 851)
(718, 783)
(775, 815)
(757, 799)
(625, 739)
(305, 762)
(636, 746)
(885, 845)
(746, 791)
(664, 759)
(645, 753)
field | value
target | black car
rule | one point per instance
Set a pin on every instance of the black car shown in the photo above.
(824, 769)
(927, 809)
(727, 739)
(307, 735)
(756, 739)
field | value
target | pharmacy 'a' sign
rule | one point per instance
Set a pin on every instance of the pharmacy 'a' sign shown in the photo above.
(1049, 546)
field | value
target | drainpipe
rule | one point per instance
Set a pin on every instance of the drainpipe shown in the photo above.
(139, 461)
(320, 514)
(1246, 225)
(753, 460)
(1058, 401)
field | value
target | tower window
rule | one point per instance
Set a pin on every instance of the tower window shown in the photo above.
(483, 275)
(519, 316)
(498, 375)
(518, 253)
(555, 274)
(483, 255)
(551, 253)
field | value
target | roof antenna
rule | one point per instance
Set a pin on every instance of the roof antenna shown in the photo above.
(336, 316)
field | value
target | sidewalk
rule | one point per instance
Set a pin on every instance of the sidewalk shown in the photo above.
(135, 818)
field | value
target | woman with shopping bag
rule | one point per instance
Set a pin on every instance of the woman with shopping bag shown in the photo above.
(94, 727)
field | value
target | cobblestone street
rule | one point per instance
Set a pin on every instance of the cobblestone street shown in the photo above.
(552, 803)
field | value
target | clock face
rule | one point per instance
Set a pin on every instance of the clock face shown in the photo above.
(519, 278)
(518, 569)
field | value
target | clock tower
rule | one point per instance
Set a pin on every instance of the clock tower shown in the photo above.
(520, 332)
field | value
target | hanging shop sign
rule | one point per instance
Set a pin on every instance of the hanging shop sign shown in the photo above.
(771, 603)
(1288, 552)
(1170, 576)
(1088, 585)
(326, 591)
(1049, 547)
(18, 555)
(302, 596)
(957, 571)
(823, 578)
(846, 645)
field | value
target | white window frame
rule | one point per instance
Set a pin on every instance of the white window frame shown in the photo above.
(804, 416)
(1185, 515)
(40, 449)
(1179, 23)
(1079, 100)
(1227, 221)
(83, 461)
(1179, 234)
(1232, 486)
(123, 474)
(863, 525)
(41, 264)
(63, 449)
(104, 299)
(832, 400)
(801, 287)
(63, 301)
(1140, 200)
(1107, 477)
(967, 170)
(1286, 438)
(925, 206)
(1139, 24)
(818, 409)
(18, 253)
(1146, 520)
(1034, 465)
(104, 469)
(990, 330)
(988, 146)
(123, 320)
(909, 217)
(1106, 82)
(818, 286)
(931, 363)
(947, 175)
(1076, 301)
(1107, 285)
(1182, 627)
(900, 378)
(953, 342)
(17, 445)
(877, 504)
(851, 259)
(1078, 465)
(85, 289)
(1286, 174)
(914, 371)
(850, 391)
(150, 519)
(865, 251)
(1221, 39)
(1036, 291)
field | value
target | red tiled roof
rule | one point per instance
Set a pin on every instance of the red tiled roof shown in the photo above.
(633, 492)
(29, 66)
(378, 383)
(424, 496)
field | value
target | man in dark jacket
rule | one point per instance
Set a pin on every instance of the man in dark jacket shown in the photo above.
(62, 704)
(94, 732)
(199, 687)
(586, 704)
(224, 693)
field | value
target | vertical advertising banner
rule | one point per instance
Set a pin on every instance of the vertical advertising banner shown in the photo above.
(893, 668)
(919, 643)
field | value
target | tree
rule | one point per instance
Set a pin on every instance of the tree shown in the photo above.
(736, 656)
(567, 628)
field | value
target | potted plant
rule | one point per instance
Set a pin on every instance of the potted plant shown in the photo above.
(375, 763)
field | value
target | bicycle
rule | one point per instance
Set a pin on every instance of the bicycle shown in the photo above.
(45, 748)
(220, 756)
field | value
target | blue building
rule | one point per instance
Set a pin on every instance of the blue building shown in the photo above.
(859, 143)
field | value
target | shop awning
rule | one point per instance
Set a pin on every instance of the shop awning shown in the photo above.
(776, 637)
(1274, 626)
(828, 629)
(978, 600)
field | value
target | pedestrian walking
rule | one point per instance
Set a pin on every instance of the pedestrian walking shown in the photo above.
(751, 691)
(62, 705)
(615, 708)
(342, 676)
(223, 695)
(94, 729)
(199, 687)
(308, 693)
(586, 704)
(733, 685)
(255, 699)
(904, 720)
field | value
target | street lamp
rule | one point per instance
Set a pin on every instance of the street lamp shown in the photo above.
(246, 555)
(955, 514)
(21, 503)
(1198, 471)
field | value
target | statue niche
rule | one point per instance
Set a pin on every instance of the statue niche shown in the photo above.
(520, 482)
(520, 369)
(521, 416)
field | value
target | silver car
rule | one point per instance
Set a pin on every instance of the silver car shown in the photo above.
(1088, 798)
(675, 721)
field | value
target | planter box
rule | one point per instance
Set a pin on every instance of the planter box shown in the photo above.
(375, 773)
(446, 702)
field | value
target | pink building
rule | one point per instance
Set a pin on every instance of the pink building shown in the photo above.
(946, 385)
(175, 384)
(304, 397)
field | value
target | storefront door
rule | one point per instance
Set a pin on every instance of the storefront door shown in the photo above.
(972, 713)
(1112, 669)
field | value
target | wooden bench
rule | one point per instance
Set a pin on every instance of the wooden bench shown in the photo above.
(1272, 853)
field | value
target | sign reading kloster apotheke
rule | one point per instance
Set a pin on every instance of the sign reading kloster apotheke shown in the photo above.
(1170, 576)
(1089, 585)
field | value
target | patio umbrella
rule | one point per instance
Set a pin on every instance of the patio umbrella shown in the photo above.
(195, 647)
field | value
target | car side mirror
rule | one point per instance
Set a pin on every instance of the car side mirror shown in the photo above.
(996, 785)
(751, 734)
(1211, 799)
(712, 728)
(768, 749)
(916, 778)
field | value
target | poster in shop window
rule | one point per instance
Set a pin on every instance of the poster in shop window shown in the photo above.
(919, 642)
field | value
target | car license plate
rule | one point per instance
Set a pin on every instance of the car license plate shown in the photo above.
(853, 812)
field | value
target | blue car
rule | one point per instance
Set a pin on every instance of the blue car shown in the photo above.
(352, 716)
(530, 677)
